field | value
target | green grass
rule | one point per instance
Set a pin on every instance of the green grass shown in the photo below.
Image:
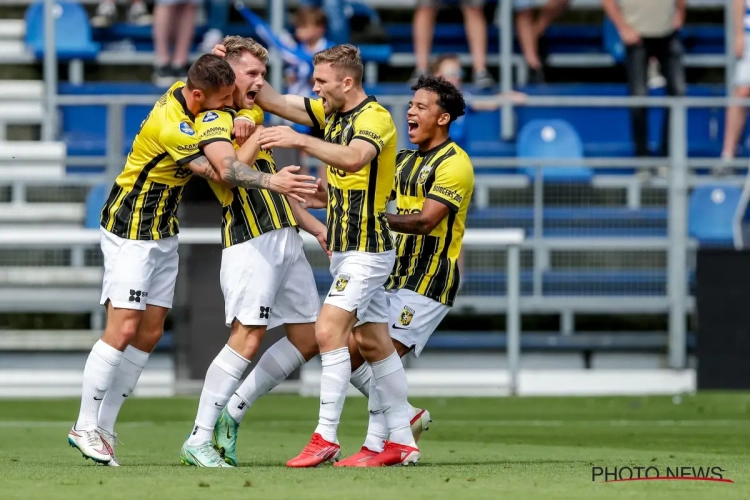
(508, 448)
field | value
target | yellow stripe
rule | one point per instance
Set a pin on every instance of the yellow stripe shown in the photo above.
(275, 219)
(137, 209)
(431, 269)
(254, 230)
(114, 207)
(159, 213)
(228, 225)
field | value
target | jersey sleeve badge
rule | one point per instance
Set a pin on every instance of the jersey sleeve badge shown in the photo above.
(186, 129)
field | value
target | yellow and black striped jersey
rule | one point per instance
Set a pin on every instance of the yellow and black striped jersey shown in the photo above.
(428, 264)
(356, 217)
(142, 204)
(248, 213)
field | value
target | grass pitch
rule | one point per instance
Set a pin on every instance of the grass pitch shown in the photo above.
(508, 448)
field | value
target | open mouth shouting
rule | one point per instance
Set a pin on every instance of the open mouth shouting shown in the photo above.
(413, 125)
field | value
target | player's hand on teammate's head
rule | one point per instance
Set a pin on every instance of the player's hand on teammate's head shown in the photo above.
(287, 181)
(219, 50)
(243, 129)
(279, 137)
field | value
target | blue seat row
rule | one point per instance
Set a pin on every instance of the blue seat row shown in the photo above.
(84, 127)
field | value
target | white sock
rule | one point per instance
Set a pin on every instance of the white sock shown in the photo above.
(391, 387)
(377, 427)
(276, 364)
(100, 368)
(361, 378)
(126, 377)
(333, 383)
(221, 381)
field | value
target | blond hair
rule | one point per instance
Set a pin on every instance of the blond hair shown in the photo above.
(237, 45)
(345, 59)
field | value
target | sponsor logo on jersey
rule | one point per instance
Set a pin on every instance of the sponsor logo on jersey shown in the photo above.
(186, 129)
(449, 193)
(209, 117)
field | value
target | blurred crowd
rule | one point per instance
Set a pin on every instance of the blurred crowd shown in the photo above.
(648, 30)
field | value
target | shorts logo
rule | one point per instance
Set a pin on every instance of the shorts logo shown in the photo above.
(136, 295)
(406, 316)
(186, 129)
(209, 117)
(265, 312)
(341, 282)
(423, 174)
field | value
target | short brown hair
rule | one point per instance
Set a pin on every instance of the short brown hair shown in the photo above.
(345, 59)
(306, 16)
(237, 45)
(209, 73)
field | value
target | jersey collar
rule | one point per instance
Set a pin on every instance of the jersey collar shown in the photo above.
(436, 148)
(370, 98)
(177, 94)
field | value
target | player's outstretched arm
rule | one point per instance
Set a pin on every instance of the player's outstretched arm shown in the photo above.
(350, 158)
(248, 152)
(290, 107)
(423, 222)
(285, 181)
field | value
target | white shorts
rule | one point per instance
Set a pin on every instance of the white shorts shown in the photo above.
(138, 272)
(742, 69)
(268, 281)
(413, 317)
(359, 284)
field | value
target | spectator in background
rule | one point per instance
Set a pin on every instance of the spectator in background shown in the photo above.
(650, 28)
(448, 66)
(338, 22)
(737, 115)
(106, 14)
(423, 29)
(174, 20)
(310, 25)
(530, 32)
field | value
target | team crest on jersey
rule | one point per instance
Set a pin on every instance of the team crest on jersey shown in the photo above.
(406, 316)
(209, 117)
(341, 282)
(423, 174)
(186, 129)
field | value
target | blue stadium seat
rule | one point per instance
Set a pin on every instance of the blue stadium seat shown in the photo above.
(711, 214)
(72, 31)
(94, 203)
(553, 139)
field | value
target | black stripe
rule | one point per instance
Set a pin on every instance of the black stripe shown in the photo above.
(170, 206)
(439, 281)
(367, 139)
(124, 213)
(206, 142)
(150, 206)
(188, 159)
(372, 234)
(354, 214)
(317, 130)
(177, 93)
(452, 206)
(114, 193)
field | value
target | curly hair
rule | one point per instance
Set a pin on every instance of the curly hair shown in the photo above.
(449, 97)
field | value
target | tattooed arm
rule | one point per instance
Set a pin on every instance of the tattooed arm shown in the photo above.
(202, 167)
